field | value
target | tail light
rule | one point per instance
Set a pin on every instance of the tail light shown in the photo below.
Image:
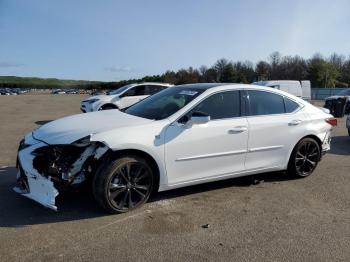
(332, 121)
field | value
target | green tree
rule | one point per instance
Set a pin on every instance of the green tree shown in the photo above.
(262, 70)
(228, 74)
(327, 74)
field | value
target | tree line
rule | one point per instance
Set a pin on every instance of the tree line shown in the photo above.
(332, 71)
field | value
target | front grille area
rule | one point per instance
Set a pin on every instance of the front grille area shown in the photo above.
(55, 160)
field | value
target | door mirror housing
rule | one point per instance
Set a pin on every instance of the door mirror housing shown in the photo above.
(198, 118)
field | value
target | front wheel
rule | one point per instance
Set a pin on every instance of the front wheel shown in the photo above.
(304, 158)
(123, 184)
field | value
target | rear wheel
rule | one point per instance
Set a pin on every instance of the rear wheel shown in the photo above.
(304, 158)
(124, 184)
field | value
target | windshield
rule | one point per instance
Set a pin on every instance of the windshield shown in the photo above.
(345, 92)
(118, 90)
(164, 103)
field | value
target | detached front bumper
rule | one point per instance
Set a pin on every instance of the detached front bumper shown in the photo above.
(31, 184)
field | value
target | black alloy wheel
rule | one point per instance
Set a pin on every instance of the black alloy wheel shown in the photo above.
(124, 184)
(305, 158)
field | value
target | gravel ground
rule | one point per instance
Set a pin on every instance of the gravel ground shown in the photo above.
(277, 219)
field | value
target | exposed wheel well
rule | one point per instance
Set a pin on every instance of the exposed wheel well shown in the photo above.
(316, 138)
(108, 105)
(150, 160)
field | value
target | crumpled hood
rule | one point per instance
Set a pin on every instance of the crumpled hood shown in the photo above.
(69, 129)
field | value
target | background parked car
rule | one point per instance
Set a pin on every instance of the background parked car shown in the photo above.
(122, 97)
(8, 91)
(58, 92)
(339, 104)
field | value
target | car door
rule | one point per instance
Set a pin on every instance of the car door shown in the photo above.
(132, 96)
(216, 148)
(275, 126)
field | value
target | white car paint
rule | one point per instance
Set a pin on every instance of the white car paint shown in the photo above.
(190, 154)
(120, 100)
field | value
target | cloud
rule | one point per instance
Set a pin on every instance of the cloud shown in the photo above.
(9, 64)
(118, 69)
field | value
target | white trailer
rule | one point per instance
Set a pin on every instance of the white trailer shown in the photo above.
(300, 89)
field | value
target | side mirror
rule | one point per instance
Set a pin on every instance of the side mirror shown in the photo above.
(198, 118)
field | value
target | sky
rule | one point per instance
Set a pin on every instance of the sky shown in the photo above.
(112, 40)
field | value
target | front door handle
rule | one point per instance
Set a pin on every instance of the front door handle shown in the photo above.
(238, 129)
(294, 122)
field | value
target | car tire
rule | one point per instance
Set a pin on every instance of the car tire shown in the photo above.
(304, 158)
(349, 131)
(123, 184)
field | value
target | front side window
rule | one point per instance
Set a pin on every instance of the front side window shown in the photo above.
(220, 106)
(135, 91)
(265, 103)
(118, 90)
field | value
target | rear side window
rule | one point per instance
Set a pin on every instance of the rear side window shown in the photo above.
(290, 105)
(221, 105)
(265, 103)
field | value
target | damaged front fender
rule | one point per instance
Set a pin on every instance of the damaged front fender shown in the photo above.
(43, 167)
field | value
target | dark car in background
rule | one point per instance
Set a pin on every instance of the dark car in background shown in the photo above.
(339, 104)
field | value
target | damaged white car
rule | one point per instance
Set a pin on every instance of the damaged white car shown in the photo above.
(181, 136)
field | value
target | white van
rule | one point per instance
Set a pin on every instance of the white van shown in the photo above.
(300, 89)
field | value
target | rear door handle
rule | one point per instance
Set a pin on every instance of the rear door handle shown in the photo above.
(294, 122)
(238, 129)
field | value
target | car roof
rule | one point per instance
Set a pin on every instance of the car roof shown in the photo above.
(151, 83)
(203, 86)
(213, 87)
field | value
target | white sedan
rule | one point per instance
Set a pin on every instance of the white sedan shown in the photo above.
(181, 136)
(122, 97)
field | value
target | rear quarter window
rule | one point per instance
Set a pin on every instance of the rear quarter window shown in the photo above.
(290, 105)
